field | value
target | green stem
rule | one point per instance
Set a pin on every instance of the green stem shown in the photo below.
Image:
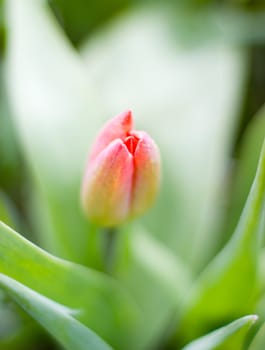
(109, 248)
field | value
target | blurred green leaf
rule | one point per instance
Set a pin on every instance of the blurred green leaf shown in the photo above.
(55, 318)
(54, 111)
(197, 26)
(228, 287)
(27, 337)
(11, 170)
(196, 21)
(261, 302)
(258, 342)
(7, 214)
(157, 279)
(2, 29)
(10, 321)
(222, 339)
(80, 18)
(245, 168)
(101, 303)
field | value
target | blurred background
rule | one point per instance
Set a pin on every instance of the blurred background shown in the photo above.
(193, 73)
(238, 23)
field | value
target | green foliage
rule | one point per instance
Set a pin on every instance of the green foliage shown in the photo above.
(172, 281)
(224, 338)
(229, 285)
(246, 168)
(6, 214)
(80, 18)
(87, 292)
(157, 279)
(259, 340)
(56, 105)
(54, 317)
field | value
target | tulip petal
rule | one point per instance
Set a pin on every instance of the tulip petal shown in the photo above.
(107, 185)
(117, 127)
(146, 173)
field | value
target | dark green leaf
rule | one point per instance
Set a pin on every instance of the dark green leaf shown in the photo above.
(258, 342)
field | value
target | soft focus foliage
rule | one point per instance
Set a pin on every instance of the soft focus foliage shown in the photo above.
(190, 273)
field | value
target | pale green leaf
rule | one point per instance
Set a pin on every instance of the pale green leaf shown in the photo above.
(222, 338)
(156, 277)
(54, 113)
(55, 318)
(229, 285)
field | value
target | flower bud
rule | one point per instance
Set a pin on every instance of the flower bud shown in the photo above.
(122, 174)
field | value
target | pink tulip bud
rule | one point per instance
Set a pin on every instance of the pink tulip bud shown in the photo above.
(122, 174)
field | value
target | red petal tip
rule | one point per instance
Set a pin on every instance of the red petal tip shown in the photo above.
(127, 119)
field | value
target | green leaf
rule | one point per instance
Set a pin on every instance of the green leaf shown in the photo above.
(214, 24)
(102, 304)
(222, 338)
(261, 303)
(79, 18)
(10, 177)
(26, 337)
(245, 169)
(258, 342)
(54, 110)
(228, 287)
(55, 318)
(156, 277)
(7, 214)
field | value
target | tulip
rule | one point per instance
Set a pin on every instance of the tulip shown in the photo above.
(122, 174)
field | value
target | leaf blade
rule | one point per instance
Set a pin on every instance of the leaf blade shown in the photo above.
(218, 337)
(53, 317)
(50, 98)
(224, 278)
(115, 315)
